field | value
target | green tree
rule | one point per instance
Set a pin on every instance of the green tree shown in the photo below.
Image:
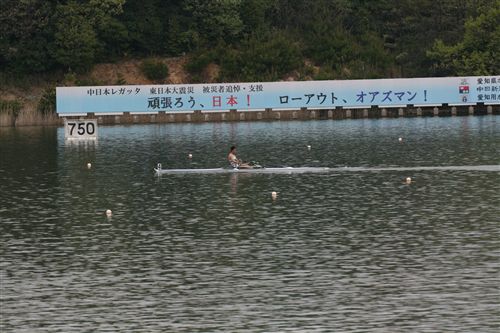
(411, 28)
(114, 39)
(111, 33)
(25, 32)
(76, 43)
(476, 54)
(215, 20)
(145, 26)
(261, 58)
(256, 15)
(77, 27)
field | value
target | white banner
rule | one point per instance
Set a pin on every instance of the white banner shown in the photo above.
(279, 95)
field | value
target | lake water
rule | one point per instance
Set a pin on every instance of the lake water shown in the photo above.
(337, 251)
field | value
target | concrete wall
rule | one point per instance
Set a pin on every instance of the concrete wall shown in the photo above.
(302, 114)
(268, 115)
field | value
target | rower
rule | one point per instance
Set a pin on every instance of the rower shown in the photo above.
(234, 161)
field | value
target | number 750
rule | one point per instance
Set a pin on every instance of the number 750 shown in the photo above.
(82, 128)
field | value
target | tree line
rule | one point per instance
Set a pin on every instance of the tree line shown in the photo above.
(257, 40)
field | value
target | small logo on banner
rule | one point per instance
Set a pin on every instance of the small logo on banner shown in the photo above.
(464, 90)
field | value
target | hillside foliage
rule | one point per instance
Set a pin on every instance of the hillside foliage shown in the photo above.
(256, 40)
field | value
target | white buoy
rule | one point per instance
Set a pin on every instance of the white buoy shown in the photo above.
(109, 212)
(89, 165)
(190, 155)
(274, 195)
(408, 180)
(400, 139)
(308, 147)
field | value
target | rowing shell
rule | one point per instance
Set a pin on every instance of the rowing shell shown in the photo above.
(160, 171)
(289, 170)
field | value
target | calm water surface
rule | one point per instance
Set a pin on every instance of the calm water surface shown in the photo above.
(336, 252)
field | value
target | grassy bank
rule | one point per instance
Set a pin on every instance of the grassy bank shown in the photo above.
(30, 99)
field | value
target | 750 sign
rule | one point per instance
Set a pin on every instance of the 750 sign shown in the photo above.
(80, 129)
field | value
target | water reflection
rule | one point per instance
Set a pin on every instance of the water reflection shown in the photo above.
(81, 143)
(234, 183)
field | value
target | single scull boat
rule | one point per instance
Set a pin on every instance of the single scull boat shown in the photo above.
(160, 171)
(288, 170)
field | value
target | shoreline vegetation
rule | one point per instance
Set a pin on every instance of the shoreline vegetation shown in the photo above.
(46, 44)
